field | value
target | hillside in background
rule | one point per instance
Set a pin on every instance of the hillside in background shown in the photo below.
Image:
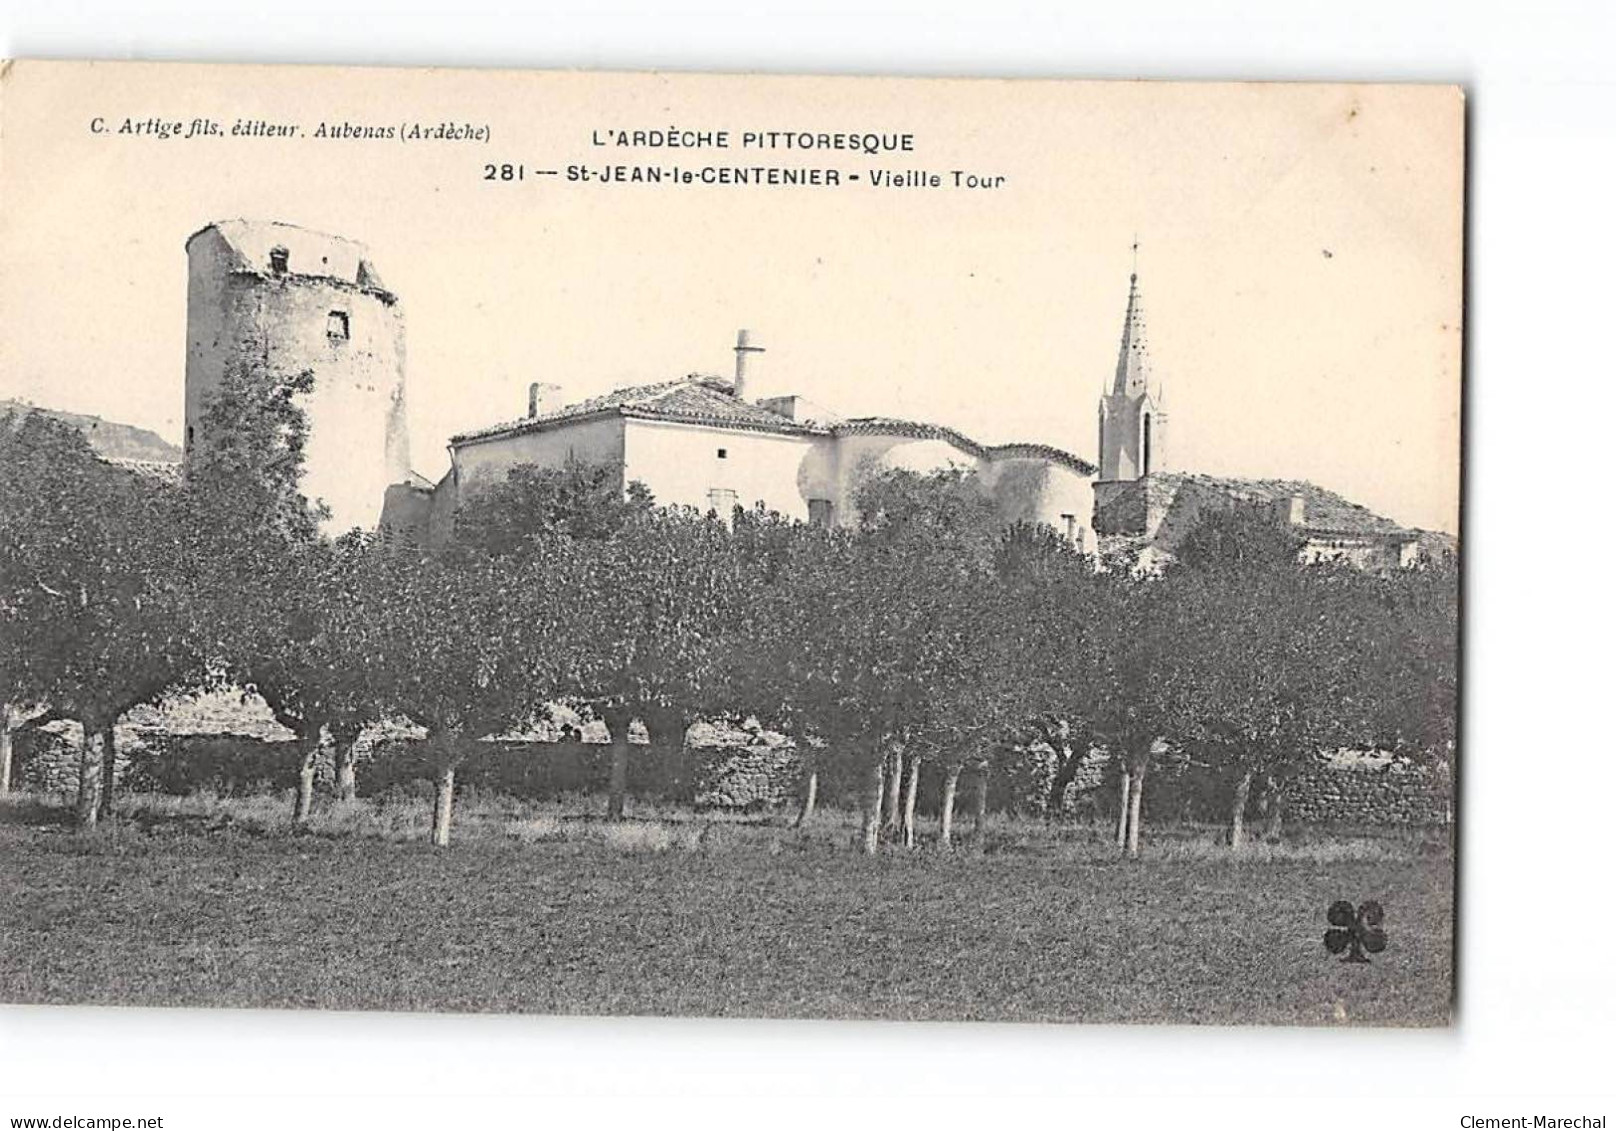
(123, 443)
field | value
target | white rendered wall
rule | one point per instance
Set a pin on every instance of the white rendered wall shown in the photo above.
(482, 463)
(681, 466)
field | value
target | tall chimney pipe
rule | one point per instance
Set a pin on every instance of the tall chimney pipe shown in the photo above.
(743, 346)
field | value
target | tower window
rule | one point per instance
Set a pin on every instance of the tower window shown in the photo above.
(1069, 525)
(819, 512)
(277, 260)
(1144, 468)
(721, 500)
(336, 326)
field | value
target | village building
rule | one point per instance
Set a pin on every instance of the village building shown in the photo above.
(701, 441)
(285, 299)
(705, 442)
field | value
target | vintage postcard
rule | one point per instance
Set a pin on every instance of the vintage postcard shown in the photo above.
(718, 545)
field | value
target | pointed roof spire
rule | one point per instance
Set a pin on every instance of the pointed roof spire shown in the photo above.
(1133, 360)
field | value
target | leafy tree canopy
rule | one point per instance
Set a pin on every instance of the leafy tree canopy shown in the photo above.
(581, 500)
(91, 586)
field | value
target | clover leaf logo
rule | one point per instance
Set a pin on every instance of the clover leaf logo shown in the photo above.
(1355, 931)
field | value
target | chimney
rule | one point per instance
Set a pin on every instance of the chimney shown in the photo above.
(535, 396)
(743, 346)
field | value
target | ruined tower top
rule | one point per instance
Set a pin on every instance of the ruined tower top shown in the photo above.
(269, 248)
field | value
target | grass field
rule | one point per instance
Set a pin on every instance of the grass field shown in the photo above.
(535, 908)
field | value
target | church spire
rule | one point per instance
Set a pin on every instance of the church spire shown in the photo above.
(1132, 423)
(1133, 360)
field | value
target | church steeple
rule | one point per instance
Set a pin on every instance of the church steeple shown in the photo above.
(1133, 429)
(1133, 359)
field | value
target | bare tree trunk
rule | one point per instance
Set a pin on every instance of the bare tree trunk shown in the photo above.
(668, 731)
(870, 801)
(1237, 812)
(109, 771)
(1276, 812)
(5, 747)
(342, 753)
(981, 825)
(617, 789)
(86, 810)
(1055, 803)
(308, 747)
(810, 795)
(910, 789)
(945, 835)
(1126, 783)
(443, 805)
(1135, 800)
(894, 789)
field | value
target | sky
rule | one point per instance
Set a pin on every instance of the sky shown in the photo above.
(1300, 250)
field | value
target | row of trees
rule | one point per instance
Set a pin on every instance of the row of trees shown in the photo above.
(929, 634)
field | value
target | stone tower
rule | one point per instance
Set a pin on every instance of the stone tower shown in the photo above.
(1133, 427)
(305, 301)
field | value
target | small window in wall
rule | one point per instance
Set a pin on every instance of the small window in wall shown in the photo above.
(819, 512)
(1069, 526)
(723, 453)
(278, 257)
(336, 326)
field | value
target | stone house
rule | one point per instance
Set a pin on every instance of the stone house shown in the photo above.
(1147, 518)
(698, 441)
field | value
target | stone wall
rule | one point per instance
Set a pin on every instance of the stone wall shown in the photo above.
(1396, 793)
(726, 767)
(1364, 790)
(716, 768)
(1134, 506)
(148, 761)
(529, 770)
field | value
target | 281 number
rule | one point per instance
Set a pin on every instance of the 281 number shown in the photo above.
(504, 172)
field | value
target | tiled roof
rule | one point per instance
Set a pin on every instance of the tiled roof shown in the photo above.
(919, 430)
(1042, 451)
(1325, 511)
(700, 399)
(695, 399)
(159, 470)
